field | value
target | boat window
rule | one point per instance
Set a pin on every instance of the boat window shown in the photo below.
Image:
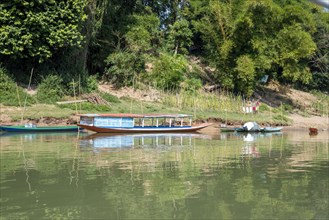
(114, 122)
(86, 121)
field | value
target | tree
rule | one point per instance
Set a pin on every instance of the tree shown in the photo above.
(126, 63)
(143, 32)
(249, 39)
(180, 36)
(36, 29)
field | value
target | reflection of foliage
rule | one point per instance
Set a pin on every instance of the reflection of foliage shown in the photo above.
(207, 179)
(244, 189)
(62, 213)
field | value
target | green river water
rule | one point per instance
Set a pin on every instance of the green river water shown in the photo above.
(165, 176)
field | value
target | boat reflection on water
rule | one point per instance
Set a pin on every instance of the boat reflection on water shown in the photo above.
(250, 148)
(32, 136)
(113, 142)
(250, 141)
(248, 136)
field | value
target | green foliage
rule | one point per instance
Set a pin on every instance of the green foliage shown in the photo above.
(123, 67)
(245, 74)
(10, 93)
(180, 36)
(143, 32)
(287, 107)
(38, 28)
(50, 89)
(263, 108)
(86, 106)
(242, 40)
(294, 45)
(320, 60)
(92, 84)
(281, 118)
(168, 72)
(250, 39)
(191, 84)
(110, 98)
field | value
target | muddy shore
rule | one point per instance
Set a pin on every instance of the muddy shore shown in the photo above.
(298, 122)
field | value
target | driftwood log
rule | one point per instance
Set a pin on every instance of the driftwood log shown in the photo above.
(95, 99)
(70, 102)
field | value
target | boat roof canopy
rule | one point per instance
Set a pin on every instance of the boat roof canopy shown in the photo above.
(137, 115)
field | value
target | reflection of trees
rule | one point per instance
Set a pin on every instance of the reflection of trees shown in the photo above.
(209, 179)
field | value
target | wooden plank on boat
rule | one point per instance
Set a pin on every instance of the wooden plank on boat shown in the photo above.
(70, 102)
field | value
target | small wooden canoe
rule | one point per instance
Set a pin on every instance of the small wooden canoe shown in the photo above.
(22, 128)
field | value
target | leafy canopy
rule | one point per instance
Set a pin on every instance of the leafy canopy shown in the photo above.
(38, 28)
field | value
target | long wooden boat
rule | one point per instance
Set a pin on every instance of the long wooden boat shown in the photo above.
(23, 128)
(135, 123)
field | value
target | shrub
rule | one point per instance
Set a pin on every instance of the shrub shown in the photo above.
(191, 84)
(92, 84)
(122, 68)
(110, 98)
(168, 71)
(50, 89)
(11, 94)
(281, 118)
(288, 107)
(263, 108)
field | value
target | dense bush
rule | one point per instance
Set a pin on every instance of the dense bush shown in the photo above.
(92, 84)
(11, 94)
(50, 89)
(263, 108)
(168, 72)
(122, 68)
(320, 81)
(191, 84)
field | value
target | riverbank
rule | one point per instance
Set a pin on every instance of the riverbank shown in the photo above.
(274, 111)
(12, 115)
(301, 123)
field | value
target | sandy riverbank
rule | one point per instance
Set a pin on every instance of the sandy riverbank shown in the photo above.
(298, 122)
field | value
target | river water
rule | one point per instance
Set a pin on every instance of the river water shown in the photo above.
(165, 176)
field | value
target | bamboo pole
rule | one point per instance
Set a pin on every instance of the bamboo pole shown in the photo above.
(270, 115)
(75, 98)
(327, 129)
(19, 99)
(22, 117)
(79, 91)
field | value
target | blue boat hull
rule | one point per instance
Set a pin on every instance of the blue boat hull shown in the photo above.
(40, 129)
